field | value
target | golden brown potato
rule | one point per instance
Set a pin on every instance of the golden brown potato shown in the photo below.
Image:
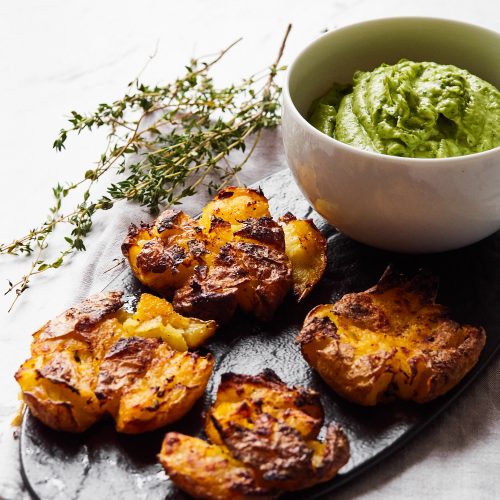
(164, 255)
(391, 341)
(306, 249)
(254, 277)
(234, 256)
(264, 433)
(156, 318)
(297, 407)
(209, 471)
(235, 205)
(97, 359)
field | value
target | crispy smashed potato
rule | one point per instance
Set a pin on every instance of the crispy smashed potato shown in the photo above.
(96, 359)
(234, 256)
(305, 246)
(297, 407)
(209, 471)
(263, 436)
(391, 341)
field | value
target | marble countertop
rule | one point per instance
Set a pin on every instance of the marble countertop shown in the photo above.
(58, 56)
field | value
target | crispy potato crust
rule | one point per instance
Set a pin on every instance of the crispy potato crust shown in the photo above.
(254, 277)
(264, 433)
(298, 407)
(391, 341)
(80, 320)
(234, 256)
(96, 359)
(208, 471)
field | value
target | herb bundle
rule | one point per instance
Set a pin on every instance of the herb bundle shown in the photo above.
(165, 142)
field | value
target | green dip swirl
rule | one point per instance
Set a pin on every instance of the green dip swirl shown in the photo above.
(412, 109)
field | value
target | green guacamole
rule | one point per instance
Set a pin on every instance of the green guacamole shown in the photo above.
(412, 109)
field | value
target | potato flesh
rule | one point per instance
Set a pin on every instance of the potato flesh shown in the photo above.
(75, 377)
(306, 249)
(390, 341)
(156, 318)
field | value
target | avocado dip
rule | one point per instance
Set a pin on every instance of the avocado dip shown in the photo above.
(412, 109)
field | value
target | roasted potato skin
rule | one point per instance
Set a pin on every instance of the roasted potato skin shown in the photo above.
(238, 278)
(298, 407)
(85, 365)
(391, 341)
(208, 471)
(263, 436)
(234, 256)
(57, 380)
(79, 322)
(171, 386)
(272, 428)
(164, 254)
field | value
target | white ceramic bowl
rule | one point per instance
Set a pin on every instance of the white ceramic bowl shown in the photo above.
(400, 204)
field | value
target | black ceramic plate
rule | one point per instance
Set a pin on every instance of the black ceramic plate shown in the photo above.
(103, 464)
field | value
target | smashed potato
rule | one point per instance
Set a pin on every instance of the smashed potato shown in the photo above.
(209, 471)
(263, 436)
(234, 256)
(391, 341)
(297, 407)
(96, 359)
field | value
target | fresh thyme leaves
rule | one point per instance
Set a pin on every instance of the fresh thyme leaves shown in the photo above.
(165, 142)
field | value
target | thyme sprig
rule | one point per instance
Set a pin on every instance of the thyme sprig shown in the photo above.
(164, 142)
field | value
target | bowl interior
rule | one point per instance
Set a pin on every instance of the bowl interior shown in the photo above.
(335, 56)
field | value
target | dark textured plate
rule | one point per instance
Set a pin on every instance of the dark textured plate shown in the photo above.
(103, 464)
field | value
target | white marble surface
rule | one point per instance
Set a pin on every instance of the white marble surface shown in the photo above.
(56, 56)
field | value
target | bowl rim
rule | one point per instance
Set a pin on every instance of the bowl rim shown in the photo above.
(375, 154)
